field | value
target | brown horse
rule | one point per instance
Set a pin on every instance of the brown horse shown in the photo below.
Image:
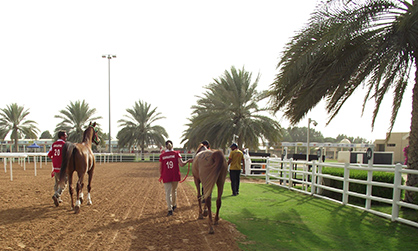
(79, 157)
(209, 168)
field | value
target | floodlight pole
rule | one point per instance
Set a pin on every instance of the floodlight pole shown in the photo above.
(307, 145)
(109, 57)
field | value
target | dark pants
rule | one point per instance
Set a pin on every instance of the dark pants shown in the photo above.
(235, 176)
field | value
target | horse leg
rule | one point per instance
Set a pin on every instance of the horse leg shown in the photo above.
(199, 197)
(219, 201)
(208, 202)
(79, 194)
(89, 187)
(70, 189)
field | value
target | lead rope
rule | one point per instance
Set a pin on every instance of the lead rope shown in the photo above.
(188, 169)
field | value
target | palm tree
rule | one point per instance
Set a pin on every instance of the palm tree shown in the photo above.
(138, 129)
(347, 44)
(75, 119)
(228, 107)
(13, 118)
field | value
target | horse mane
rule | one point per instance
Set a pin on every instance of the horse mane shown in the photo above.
(212, 173)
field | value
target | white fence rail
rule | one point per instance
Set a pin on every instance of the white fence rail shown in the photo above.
(287, 173)
(255, 166)
(40, 157)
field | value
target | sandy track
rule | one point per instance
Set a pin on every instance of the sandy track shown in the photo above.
(128, 213)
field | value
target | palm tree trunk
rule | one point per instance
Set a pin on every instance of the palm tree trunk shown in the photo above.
(412, 179)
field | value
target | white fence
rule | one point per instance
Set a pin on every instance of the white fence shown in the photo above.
(255, 166)
(21, 159)
(287, 173)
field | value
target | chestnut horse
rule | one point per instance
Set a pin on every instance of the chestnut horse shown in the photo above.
(79, 157)
(209, 168)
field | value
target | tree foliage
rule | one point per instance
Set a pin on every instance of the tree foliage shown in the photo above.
(349, 45)
(46, 135)
(138, 128)
(13, 119)
(75, 119)
(229, 107)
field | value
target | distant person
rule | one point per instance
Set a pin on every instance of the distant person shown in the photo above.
(55, 153)
(236, 157)
(206, 144)
(170, 174)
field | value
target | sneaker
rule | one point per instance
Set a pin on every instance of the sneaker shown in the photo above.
(55, 200)
(174, 208)
(170, 213)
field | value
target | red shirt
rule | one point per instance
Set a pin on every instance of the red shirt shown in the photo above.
(170, 170)
(56, 154)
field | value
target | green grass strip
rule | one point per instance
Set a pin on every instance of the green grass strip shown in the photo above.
(275, 218)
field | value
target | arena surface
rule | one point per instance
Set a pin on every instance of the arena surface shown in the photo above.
(128, 213)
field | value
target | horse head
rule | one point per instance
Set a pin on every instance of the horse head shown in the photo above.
(94, 137)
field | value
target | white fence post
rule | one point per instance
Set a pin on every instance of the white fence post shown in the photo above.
(267, 170)
(369, 189)
(346, 184)
(313, 177)
(396, 191)
(291, 173)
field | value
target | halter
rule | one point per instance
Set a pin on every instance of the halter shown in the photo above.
(95, 137)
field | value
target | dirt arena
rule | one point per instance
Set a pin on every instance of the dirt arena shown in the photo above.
(128, 213)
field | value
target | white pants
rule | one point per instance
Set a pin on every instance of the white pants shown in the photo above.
(171, 194)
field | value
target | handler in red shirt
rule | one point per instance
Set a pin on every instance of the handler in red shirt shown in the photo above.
(55, 153)
(170, 174)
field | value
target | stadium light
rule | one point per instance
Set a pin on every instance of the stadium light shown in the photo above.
(109, 57)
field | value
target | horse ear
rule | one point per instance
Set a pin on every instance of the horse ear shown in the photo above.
(90, 123)
(94, 124)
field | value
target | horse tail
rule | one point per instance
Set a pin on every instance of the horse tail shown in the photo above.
(67, 152)
(219, 165)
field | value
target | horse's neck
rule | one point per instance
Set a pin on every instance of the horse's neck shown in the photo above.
(86, 143)
(88, 139)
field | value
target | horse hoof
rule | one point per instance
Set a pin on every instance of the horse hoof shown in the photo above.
(89, 202)
(200, 217)
(215, 223)
(205, 213)
(211, 231)
(77, 209)
(81, 200)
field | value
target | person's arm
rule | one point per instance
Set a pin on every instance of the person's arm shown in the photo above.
(182, 163)
(50, 153)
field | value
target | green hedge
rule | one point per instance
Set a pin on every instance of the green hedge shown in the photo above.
(377, 191)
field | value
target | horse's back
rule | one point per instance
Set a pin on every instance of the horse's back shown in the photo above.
(201, 160)
(210, 167)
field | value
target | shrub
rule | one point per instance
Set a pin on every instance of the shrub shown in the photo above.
(377, 191)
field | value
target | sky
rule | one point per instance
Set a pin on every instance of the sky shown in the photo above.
(167, 52)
